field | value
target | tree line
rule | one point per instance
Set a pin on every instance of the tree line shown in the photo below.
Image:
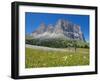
(57, 43)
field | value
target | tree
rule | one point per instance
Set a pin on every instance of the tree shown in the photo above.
(75, 44)
(69, 45)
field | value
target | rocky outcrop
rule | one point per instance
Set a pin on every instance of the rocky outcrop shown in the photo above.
(62, 29)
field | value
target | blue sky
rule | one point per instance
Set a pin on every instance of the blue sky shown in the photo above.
(33, 20)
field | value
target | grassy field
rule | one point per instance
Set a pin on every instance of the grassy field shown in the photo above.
(42, 58)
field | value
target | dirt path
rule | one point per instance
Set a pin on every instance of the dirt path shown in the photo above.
(45, 48)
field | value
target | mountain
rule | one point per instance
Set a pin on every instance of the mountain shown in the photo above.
(62, 29)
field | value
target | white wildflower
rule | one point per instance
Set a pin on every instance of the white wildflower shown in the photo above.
(84, 57)
(65, 57)
(70, 55)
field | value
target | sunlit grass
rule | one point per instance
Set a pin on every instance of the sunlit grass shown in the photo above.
(42, 58)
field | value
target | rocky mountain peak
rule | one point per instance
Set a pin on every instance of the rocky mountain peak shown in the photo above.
(62, 28)
(50, 28)
(41, 29)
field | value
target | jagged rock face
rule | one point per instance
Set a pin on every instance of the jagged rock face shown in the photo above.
(41, 29)
(50, 28)
(62, 29)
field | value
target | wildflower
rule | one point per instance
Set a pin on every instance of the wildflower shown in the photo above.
(70, 55)
(84, 57)
(65, 57)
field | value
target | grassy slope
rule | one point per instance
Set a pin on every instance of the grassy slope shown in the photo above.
(40, 58)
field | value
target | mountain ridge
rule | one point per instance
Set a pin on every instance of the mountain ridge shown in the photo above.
(62, 29)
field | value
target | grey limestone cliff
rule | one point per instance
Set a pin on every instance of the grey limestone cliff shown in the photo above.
(62, 29)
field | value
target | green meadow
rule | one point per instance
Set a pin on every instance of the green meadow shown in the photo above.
(35, 58)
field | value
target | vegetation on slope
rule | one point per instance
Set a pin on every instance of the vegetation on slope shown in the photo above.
(58, 43)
